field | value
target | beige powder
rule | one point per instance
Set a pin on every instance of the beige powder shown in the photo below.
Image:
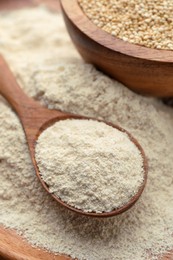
(89, 165)
(54, 74)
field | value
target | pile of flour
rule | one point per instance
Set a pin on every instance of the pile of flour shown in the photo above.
(89, 165)
(44, 61)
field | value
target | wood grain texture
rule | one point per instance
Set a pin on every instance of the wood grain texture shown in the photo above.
(144, 70)
(13, 247)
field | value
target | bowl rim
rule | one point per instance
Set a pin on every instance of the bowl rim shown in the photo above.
(75, 14)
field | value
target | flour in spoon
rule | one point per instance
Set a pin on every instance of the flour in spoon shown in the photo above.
(89, 165)
(37, 47)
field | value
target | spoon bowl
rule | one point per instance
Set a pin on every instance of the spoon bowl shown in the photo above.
(144, 70)
(36, 118)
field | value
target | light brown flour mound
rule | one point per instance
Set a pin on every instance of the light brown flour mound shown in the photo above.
(52, 72)
(89, 164)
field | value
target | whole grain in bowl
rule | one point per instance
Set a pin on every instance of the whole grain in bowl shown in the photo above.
(144, 22)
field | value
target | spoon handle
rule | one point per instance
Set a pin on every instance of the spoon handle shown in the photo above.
(31, 113)
(11, 91)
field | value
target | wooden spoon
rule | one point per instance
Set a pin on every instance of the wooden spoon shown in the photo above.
(35, 119)
(144, 70)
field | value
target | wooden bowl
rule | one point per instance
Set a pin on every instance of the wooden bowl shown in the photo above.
(144, 70)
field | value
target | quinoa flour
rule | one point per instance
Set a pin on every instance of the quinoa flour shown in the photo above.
(35, 44)
(89, 164)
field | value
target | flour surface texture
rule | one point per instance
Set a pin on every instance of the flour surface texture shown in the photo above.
(89, 165)
(37, 47)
